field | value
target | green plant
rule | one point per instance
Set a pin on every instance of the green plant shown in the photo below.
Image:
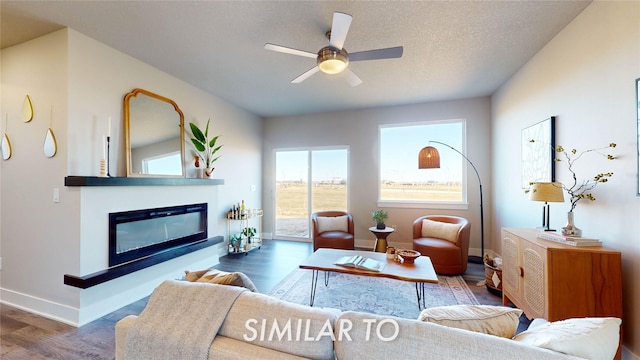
(379, 216)
(249, 232)
(579, 190)
(205, 146)
(235, 239)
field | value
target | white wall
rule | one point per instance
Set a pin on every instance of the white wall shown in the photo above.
(41, 241)
(359, 130)
(585, 76)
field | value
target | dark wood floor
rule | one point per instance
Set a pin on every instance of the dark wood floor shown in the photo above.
(27, 336)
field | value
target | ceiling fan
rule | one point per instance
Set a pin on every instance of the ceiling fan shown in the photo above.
(334, 58)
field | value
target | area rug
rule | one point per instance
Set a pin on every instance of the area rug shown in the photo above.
(372, 294)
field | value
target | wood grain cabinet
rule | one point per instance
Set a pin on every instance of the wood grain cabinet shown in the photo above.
(556, 281)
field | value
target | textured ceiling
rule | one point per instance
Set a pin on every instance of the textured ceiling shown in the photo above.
(452, 49)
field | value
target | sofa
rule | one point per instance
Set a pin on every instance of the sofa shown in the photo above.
(257, 326)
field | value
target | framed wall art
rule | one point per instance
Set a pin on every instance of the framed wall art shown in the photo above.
(538, 147)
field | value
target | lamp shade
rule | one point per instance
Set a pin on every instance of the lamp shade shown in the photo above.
(546, 191)
(429, 158)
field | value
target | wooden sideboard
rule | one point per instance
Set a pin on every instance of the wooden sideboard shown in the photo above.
(556, 281)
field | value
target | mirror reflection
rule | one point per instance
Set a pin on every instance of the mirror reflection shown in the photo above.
(154, 135)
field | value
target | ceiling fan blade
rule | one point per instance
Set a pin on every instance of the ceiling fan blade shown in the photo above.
(352, 78)
(388, 53)
(305, 75)
(339, 29)
(291, 51)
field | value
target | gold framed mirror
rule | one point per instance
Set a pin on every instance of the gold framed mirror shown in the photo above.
(154, 135)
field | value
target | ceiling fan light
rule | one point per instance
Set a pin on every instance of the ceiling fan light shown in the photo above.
(332, 61)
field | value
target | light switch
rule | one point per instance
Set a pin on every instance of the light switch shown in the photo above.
(56, 195)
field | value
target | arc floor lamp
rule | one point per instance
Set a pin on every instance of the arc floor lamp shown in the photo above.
(429, 158)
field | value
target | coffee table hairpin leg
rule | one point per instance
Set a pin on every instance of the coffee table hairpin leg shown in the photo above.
(420, 295)
(314, 282)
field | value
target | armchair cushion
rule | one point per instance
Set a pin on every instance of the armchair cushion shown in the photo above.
(333, 223)
(440, 230)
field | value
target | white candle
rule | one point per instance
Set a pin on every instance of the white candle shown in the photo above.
(104, 147)
(109, 128)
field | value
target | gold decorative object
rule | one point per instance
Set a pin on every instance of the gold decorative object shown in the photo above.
(153, 126)
(27, 109)
(6, 144)
(6, 147)
(50, 145)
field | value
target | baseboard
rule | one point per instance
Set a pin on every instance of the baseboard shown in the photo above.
(105, 298)
(628, 355)
(41, 307)
(369, 244)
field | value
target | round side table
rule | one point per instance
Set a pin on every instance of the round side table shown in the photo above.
(381, 238)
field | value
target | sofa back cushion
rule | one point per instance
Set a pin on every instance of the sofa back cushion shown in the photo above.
(590, 338)
(278, 325)
(417, 340)
(493, 320)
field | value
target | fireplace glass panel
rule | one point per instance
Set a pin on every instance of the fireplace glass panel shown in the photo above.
(141, 233)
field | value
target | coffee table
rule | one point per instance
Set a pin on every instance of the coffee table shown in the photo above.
(420, 272)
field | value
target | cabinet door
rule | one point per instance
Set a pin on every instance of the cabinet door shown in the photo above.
(510, 266)
(534, 289)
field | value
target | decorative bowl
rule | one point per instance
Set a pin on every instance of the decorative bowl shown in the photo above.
(408, 256)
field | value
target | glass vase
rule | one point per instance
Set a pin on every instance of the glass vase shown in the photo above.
(571, 229)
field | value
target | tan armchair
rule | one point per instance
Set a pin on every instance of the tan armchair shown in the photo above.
(332, 229)
(445, 240)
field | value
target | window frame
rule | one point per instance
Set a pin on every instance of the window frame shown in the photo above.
(309, 150)
(422, 204)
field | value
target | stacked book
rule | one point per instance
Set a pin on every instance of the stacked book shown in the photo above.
(568, 240)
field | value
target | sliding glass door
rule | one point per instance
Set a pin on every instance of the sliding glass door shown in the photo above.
(307, 181)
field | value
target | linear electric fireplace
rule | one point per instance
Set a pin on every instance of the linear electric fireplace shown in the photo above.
(141, 233)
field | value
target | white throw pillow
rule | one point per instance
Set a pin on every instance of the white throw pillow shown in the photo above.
(494, 320)
(333, 223)
(589, 338)
(440, 230)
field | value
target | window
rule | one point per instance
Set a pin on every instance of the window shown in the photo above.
(402, 184)
(297, 197)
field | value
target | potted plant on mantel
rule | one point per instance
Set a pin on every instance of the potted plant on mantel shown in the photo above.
(379, 216)
(205, 147)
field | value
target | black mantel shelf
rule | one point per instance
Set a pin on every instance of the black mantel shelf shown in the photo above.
(137, 181)
(87, 281)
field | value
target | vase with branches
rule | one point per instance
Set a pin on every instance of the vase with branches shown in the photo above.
(205, 147)
(580, 189)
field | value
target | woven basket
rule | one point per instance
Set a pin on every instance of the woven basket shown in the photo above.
(489, 271)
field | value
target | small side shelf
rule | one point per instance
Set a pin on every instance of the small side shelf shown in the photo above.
(239, 243)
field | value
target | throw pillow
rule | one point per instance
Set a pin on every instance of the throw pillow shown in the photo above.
(440, 230)
(589, 338)
(494, 320)
(333, 223)
(221, 278)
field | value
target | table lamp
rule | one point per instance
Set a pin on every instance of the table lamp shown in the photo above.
(547, 192)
